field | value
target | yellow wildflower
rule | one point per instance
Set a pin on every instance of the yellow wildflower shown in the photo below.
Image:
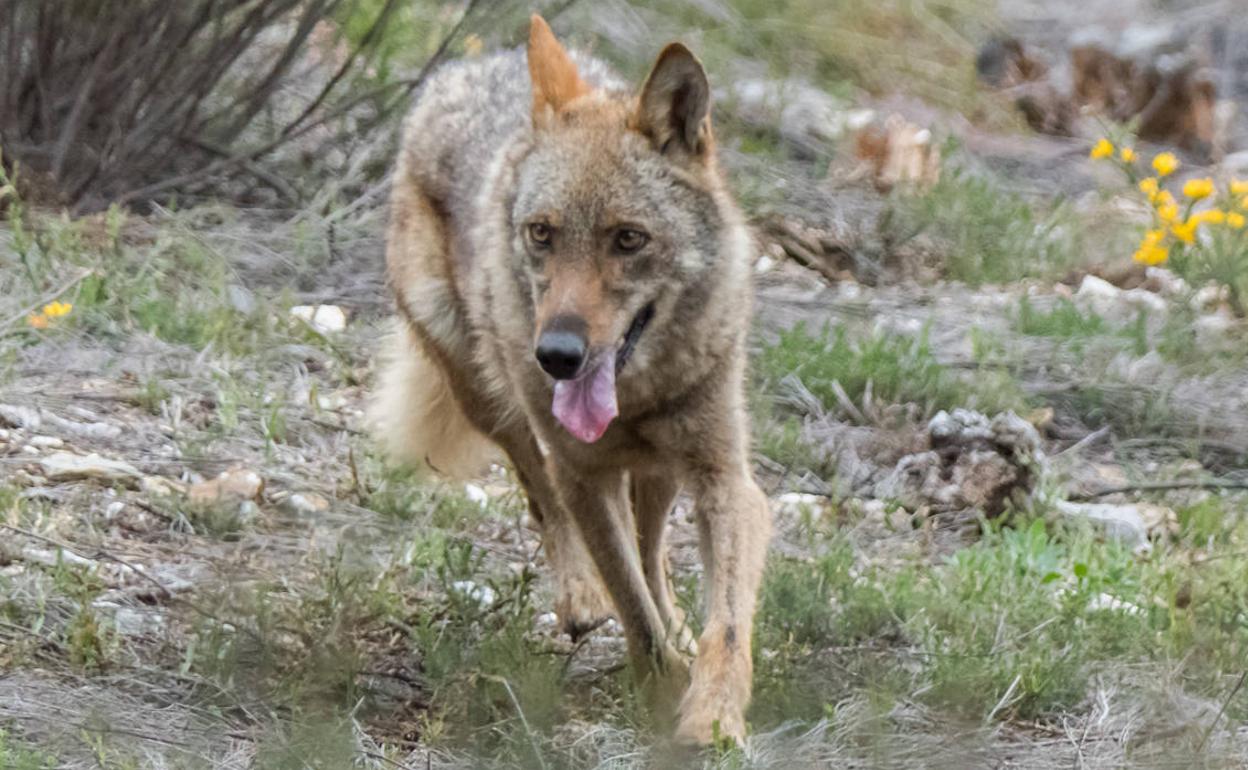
(1150, 187)
(473, 44)
(1243, 202)
(1167, 211)
(1235, 220)
(1210, 217)
(1239, 187)
(1127, 154)
(1151, 252)
(1102, 149)
(57, 309)
(1186, 231)
(39, 321)
(1165, 164)
(1198, 188)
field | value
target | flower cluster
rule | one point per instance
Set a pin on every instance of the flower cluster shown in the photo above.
(50, 312)
(1176, 225)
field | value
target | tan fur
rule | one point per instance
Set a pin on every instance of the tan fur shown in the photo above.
(484, 157)
(417, 420)
(556, 82)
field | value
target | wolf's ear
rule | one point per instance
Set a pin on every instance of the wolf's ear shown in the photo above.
(675, 106)
(555, 79)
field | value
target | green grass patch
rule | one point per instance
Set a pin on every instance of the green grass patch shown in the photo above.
(14, 755)
(987, 234)
(896, 368)
(1062, 320)
(1013, 627)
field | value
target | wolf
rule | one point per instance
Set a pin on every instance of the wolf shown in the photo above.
(572, 280)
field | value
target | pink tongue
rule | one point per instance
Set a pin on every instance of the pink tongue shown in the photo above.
(586, 405)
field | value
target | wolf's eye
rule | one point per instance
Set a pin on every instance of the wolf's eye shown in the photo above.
(540, 233)
(629, 240)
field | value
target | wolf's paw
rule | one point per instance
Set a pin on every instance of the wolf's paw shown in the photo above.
(582, 605)
(713, 708)
(707, 720)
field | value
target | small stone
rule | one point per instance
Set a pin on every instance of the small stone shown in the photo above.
(307, 502)
(1099, 295)
(764, 264)
(237, 484)
(241, 299)
(477, 495)
(325, 319)
(159, 486)
(792, 503)
(63, 466)
(483, 595)
(248, 512)
(1213, 329)
(46, 442)
(1124, 523)
(114, 509)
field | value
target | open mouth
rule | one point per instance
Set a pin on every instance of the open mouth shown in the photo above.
(586, 404)
(640, 321)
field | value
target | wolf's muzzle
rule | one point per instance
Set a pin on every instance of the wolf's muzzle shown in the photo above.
(562, 346)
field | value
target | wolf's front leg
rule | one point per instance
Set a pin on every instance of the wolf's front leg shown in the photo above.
(581, 601)
(734, 526)
(599, 504)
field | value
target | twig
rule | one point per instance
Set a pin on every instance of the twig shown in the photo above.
(1161, 486)
(843, 399)
(244, 157)
(58, 291)
(1221, 711)
(1005, 699)
(1085, 442)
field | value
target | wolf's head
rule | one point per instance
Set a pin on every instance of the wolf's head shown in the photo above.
(616, 219)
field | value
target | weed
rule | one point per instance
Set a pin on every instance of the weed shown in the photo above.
(1062, 320)
(896, 369)
(989, 234)
(15, 756)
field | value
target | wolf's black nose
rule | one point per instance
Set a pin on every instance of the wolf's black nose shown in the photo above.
(561, 347)
(561, 354)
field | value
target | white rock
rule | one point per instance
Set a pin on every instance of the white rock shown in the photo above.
(764, 264)
(325, 319)
(46, 442)
(114, 508)
(1092, 286)
(477, 495)
(63, 466)
(248, 511)
(1124, 523)
(1143, 299)
(1208, 297)
(1213, 328)
(483, 595)
(50, 558)
(307, 502)
(1169, 283)
(796, 502)
(241, 298)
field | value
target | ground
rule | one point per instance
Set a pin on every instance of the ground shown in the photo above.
(206, 563)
